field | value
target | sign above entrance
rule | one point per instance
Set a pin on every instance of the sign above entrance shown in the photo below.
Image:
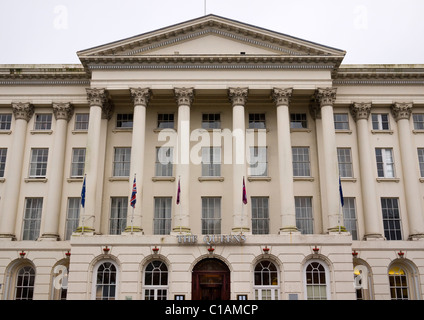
(212, 239)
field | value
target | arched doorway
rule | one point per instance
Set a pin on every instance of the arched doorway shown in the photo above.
(211, 280)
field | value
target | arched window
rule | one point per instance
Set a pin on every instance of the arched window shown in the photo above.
(156, 281)
(362, 282)
(106, 281)
(60, 282)
(25, 278)
(316, 281)
(266, 281)
(398, 279)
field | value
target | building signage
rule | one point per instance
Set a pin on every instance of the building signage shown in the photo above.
(212, 239)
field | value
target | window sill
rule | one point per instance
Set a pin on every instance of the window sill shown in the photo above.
(303, 179)
(388, 180)
(5, 131)
(257, 130)
(41, 131)
(170, 179)
(157, 130)
(300, 130)
(41, 179)
(79, 131)
(201, 179)
(382, 131)
(257, 178)
(420, 131)
(112, 179)
(422, 180)
(117, 130)
(347, 179)
(2, 180)
(344, 131)
(75, 179)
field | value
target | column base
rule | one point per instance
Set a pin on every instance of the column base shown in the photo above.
(49, 237)
(238, 230)
(180, 230)
(289, 229)
(416, 237)
(337, 229)
(374, 237)
(131, 230)
(84, 230)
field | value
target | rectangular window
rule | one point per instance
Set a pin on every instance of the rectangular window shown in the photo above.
(301, 162)
(385, 163)
(162, 219)
(341, 121)
(165, 120)
(43, 121)
(349, 217)
(5, 121)
(211, 161)
(380, 121)
(304, 217)
(121, 162)
(344, 158)
(124, 120)
(164, 161)
(3, 154)
(418, 119)
(257, 121)
(260, 215)
(421, 161)
(258, 164)
(391, 218)
(211, 121)
(72, 216)
(38, 164)
(211, 215)
(81, 121)
(298, 121)
(32, 218)
(118, 215)
(78, 162)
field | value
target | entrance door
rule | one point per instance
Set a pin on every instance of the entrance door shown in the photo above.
(211, 280)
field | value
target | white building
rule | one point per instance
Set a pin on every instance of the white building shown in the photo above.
(192, 112)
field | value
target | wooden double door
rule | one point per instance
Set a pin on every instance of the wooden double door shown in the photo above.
(211, 280)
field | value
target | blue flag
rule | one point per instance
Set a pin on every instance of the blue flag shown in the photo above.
(341, 192)
(83, 194)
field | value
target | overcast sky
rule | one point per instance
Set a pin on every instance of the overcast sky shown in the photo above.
(52, 31)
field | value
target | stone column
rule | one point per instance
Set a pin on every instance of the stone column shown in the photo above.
(402, 113)
(184, 97)
(99, 108)
(22, 113)
(140, 98)
(325, 98)
(287, 208)
(238, 98)
(62, 113)
(372, 216)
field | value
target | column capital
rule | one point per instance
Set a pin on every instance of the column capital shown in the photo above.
(238, 96)
(282, 96)
(23, 110)
(184, 96)
(63, 110)
(325, 96)
(96, 97)
(402, 110)
(360, 110)
(140, 96)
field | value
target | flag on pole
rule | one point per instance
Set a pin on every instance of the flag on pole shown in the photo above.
(178, 192)
(341, 192)
(244, 197)
(133, 194)
(83, 194)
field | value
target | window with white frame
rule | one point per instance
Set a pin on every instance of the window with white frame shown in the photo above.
(211, 215)
(164, 161)
(118, 215)
(349, 217)
(211, 121)
(5, 121)
(72, 216)
(316, 280)
(32, 218)
(258, 163)
(59, 291)
(38, 162)
(78, 162)
(3, 154)
(25, 280)
(165, 120)
(211, 161)
(341, 121)
(418, 119)
(391, 218)
(380, 121)
(362, 281)
(81, 121)
(124, 120)
(260, 215)
(298, 121)
(421, 161)
(304, 216)
(266, 283)
(162, 216)
(105, 282)
(43, 121)
(156, 281)
(257, 121)
(398, 281)
(121, 162)
(301, 162)
(385, 162)
(344, 158)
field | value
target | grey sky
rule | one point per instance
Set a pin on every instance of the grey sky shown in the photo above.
(52, 31)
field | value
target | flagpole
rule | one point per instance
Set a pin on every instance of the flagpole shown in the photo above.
(179, 201)
(341, 204)
(83, 204)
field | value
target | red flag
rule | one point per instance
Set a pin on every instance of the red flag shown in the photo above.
(133, 194)
(244, 197)
(178, 192)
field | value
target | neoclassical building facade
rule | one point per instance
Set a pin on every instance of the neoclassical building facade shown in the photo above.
(212, 160)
